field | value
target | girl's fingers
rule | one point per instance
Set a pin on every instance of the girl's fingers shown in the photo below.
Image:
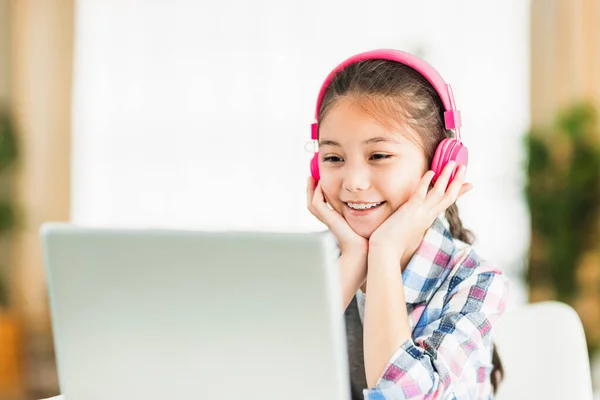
(310, 190)
(441, 183)
(422, 189)
(320, 202)
(331, 218)
(456, 185)
(310, 193)
(465, 188)
(456, 189)
(315, 199)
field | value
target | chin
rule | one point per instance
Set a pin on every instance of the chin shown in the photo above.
(366, 227)
(364, 231)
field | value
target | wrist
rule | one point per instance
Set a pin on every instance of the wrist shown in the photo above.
(354, 253)
(357, 251)
(354, 259)
(380, 251)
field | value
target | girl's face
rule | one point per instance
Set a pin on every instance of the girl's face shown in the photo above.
(367, 171)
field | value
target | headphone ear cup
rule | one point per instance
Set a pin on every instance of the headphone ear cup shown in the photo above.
(439, 161)
(314, 167)
(449, 150)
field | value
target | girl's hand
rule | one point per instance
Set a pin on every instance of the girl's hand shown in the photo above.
(405, 227)
(348, 240)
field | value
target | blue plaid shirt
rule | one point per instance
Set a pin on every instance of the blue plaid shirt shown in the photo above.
(453, 299)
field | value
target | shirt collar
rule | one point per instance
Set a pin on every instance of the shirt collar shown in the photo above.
(431, 263)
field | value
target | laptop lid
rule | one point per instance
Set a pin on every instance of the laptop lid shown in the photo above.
(165, 314)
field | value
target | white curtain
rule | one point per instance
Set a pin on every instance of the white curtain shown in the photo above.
(195, 114)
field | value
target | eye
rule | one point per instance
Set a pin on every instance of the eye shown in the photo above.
(379, 156)
(333, 159)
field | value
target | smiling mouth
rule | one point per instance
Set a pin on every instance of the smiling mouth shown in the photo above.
(363, 206)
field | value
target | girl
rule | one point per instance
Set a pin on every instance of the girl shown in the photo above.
(419, 302)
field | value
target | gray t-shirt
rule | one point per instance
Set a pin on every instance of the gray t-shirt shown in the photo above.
(354, 317)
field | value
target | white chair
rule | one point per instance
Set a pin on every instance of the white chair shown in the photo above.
(543, 349)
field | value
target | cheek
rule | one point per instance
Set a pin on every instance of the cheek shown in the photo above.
(330, 190)
(328, 186)
(399, 187)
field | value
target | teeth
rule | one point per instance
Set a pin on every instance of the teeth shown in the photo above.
(363, 206)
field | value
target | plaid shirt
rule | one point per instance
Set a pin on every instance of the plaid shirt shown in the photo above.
(453, 299)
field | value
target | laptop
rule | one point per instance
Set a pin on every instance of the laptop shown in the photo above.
(155, 314)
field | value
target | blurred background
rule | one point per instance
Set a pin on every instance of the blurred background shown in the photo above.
(195, 114)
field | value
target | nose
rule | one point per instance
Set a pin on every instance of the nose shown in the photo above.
(356, 177)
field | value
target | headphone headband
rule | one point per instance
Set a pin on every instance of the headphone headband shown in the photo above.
(452, 118)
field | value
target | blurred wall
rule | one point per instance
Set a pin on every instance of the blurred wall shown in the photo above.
(4, 52)
(4, 104)
(565, 56)
(41, 73)
(42, 67)
(196, 114)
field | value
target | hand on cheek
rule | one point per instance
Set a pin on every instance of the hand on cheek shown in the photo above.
(407, 225)
(348, 240)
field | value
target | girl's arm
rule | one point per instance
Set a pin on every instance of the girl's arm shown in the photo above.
(386, 318)
(352, 272)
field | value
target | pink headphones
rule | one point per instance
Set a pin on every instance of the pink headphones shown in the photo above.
(449, 149)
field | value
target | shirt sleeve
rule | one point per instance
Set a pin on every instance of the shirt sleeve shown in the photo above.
(454, 353)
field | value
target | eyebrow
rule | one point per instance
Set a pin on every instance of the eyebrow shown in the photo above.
(378, 139)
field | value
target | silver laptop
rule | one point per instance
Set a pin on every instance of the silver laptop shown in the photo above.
(165, 314)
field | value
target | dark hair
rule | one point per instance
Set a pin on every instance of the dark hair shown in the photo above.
(398, 96)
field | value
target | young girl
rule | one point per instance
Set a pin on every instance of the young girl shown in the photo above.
(419, 302)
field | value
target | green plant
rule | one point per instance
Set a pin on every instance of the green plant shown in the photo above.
(8, 154)
(8, 148)
(563, 194)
